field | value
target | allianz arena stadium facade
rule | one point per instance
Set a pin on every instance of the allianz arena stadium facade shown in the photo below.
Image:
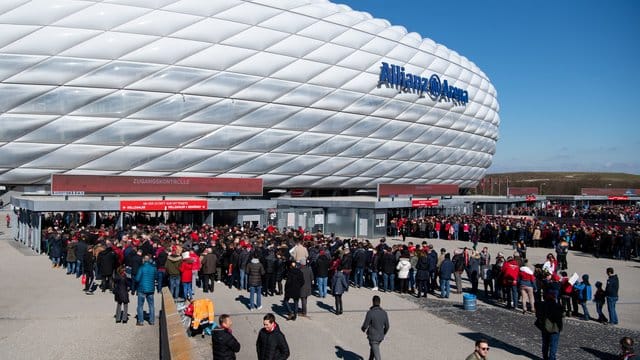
(300, 93)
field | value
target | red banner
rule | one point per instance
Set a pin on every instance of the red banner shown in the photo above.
(618, 198)
(416, 190)
(296, 192)
(425, 203)
(530, 198)
(163, 205)
(97, 184)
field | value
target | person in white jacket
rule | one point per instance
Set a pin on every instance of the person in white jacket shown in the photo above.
(403, 267)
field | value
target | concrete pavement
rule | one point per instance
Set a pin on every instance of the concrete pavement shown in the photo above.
(628, 306)
(433, 329)
(45, 315)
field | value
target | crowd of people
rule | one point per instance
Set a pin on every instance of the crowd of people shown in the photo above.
(595, 213)
(588, 231)
(297, 264)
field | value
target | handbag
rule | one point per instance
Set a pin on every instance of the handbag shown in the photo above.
(550, 326)
(83, 279)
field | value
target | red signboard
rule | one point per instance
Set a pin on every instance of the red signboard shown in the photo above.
(425, 203)
(618, 198)
(163, 205)
(521, 191)
(296, 192)
(530, 198)
(98, 184)
(416, 190)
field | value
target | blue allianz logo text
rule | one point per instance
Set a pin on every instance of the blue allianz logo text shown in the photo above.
(396, 77)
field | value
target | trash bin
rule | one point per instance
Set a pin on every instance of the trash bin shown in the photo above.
(469, 302)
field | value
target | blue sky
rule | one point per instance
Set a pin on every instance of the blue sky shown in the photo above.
(567, 74)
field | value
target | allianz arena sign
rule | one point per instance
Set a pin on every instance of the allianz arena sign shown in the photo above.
(395, 76)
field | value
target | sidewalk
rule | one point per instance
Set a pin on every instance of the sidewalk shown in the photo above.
(45, 315)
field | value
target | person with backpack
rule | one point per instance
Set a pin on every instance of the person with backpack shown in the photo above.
(549, 321)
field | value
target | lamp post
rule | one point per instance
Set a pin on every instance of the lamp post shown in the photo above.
(541, 185)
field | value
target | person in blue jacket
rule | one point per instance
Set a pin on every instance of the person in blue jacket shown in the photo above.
(583, 291)
(145, 279)
(339, 286)
(446, 269)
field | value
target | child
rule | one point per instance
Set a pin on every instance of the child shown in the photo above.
(583, 292)
(599, 299)
(121, 295)
(565, 293)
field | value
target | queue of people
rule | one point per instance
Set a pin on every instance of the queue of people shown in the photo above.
(261, 260)
(296, 264)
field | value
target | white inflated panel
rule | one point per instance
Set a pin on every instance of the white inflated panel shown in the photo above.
(284, 90)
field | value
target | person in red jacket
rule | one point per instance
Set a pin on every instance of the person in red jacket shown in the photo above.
(186, 275)
(527, 283)
(195, 268)
(510, 272)
(566, 289)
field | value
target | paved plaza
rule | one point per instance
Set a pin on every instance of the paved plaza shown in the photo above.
(45, 315)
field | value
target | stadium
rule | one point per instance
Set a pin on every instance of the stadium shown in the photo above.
(301, 94)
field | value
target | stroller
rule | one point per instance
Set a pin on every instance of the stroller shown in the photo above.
(201, 313)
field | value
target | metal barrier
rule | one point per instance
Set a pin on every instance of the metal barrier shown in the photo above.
(174, 344)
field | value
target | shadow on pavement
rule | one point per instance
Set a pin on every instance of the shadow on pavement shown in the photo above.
(346, 354)
(244, 300)
(493, 342)
(324, 306)
(600, 354)
(280, 310)
(582, 254)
